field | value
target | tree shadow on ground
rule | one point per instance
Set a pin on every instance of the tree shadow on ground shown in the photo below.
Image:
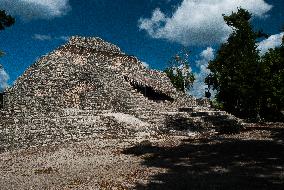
(180, 123)
(214, 164)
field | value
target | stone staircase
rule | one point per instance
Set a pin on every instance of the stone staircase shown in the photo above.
(198, 118)
(161, 114)
(192, 119)
(57, 128)
(76, 125)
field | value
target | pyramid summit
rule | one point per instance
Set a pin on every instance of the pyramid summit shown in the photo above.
(89, 85)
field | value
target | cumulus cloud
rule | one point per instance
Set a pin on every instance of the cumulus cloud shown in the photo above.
(44, 37)
(198, 21)
(36, 9)
(206, 55)
(271, 42)
(198, 88)
(4, 77)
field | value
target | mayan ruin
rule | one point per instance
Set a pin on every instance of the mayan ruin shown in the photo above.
(142, 95)
(89, 97)
(81, 86)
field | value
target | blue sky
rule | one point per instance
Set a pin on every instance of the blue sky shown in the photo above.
(152, 30)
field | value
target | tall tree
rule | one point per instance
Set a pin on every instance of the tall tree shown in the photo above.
(272, 83)
(235, 68)
(179, 71)
(5, 21)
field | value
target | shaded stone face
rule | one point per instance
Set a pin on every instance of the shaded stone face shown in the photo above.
(1, 100)
(88, 73)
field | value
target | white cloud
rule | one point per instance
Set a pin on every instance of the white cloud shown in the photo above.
(41, 37)
(4, 77)
(146, 65)
(64, 38)
(198, 21)
(198, 88)
(206, 55)
(153, 24)
(271, 42)
(44, 37)
(36, 9)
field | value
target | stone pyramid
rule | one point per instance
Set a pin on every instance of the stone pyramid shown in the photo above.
(90, 74)
(89, 87)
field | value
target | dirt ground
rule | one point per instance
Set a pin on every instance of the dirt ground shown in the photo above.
(253, 159)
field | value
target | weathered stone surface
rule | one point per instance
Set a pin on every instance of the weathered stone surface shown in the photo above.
(81, 88)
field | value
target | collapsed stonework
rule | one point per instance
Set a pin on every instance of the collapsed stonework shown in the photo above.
(75, 90)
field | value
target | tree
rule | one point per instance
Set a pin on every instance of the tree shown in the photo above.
(235, 69)
(179, 71)
(272, 80)
(5, 21)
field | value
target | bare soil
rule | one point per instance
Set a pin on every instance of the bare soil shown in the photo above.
(253, 159)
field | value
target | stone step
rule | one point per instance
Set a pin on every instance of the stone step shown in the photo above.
(208, 113)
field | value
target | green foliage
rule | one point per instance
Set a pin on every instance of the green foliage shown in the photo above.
(235, 67)
(179, 71)
(272, 83)
(5, 20)
(216, 104)
(247, 85)
(179, 81)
